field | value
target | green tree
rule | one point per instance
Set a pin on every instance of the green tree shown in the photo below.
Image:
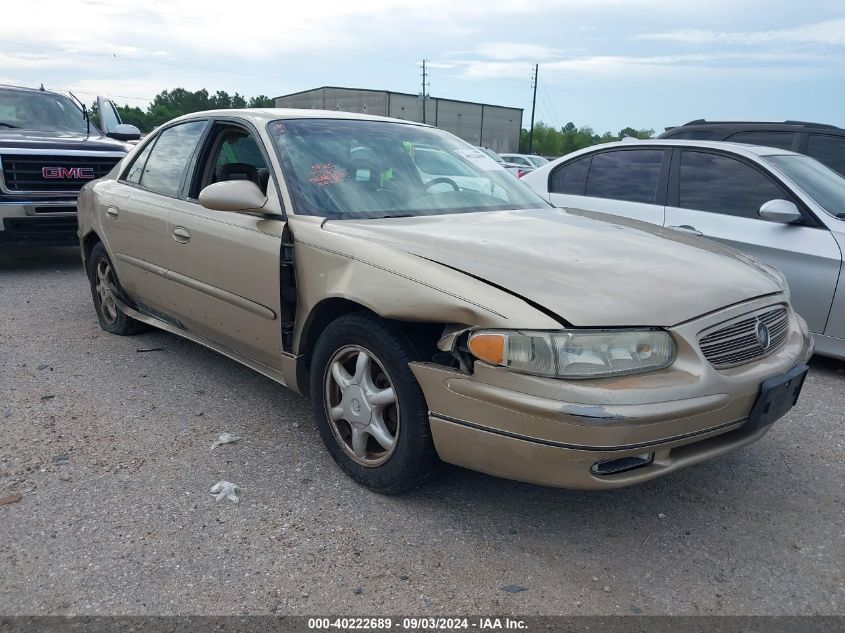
(549, 141)
(262, 101)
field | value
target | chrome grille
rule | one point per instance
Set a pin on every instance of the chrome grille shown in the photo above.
(736, 342)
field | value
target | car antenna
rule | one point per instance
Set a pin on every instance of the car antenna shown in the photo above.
(84, 112)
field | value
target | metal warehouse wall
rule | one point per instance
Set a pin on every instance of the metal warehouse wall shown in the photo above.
(492, 126)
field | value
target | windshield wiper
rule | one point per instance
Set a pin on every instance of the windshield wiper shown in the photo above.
(387, 217)
(4, 124)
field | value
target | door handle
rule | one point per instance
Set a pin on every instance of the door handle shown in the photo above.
(686, 228)
(181, 235)
(112, 212)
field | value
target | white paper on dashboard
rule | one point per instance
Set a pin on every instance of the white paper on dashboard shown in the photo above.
(479, 159)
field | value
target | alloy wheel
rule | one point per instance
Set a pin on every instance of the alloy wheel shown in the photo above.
(361, 404)
(104, 284)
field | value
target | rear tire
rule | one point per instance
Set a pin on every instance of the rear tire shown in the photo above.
(370, 410)
(102, 277)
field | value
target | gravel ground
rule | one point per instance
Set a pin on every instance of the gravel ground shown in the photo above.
(110, 449)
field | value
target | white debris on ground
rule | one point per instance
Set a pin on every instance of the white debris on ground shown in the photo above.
(225, 489)
(224, 438)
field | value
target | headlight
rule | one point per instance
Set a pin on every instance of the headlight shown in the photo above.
(575, 353)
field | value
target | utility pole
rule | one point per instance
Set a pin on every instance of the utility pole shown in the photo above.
(424, 87)
(533, 106)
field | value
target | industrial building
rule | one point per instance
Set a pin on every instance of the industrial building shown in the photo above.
(481, 124)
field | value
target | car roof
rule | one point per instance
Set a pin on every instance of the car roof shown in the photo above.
(12, 88)
(262, 115)
(789, 124)
(737, 148)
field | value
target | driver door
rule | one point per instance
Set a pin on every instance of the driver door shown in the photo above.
(720, 197)
(226, 263)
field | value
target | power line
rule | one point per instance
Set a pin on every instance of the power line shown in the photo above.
(553, 115)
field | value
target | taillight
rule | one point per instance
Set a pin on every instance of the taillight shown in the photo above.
(520, 174)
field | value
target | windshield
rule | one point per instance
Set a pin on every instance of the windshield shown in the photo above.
(493, 155)
(352, 169)
(46, 111)
(821, 183)
(538, 161)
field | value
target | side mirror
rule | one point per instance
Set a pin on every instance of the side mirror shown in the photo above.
(233, 195)
(125, 132)
(782, 211)
(110, 122)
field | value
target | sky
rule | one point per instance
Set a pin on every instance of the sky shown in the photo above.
(603, 63)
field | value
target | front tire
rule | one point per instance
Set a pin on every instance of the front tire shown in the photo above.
(103, 279)
(370, 410)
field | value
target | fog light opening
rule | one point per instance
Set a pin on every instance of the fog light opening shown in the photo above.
(622, 464)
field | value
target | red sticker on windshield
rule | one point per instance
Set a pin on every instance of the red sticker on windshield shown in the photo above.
(323, 174)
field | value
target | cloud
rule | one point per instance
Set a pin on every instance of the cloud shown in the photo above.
(827, 33)
(518, 51)
(621, 64)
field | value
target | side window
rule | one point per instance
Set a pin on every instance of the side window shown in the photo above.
(571, 178)
(719, 184)
(232, 154)
(137, 168)
(781, 140)
(829, 150)
(109, 116)
(240, 147)
(168, 161)
(629, 175)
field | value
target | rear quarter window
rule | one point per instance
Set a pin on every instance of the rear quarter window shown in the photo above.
(571, 178)
(629, 175)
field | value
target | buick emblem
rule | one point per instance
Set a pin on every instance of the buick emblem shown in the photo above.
(763, 335)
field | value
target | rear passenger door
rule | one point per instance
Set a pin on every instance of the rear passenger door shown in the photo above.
(626, 182)
(719, 196)
(137, 210)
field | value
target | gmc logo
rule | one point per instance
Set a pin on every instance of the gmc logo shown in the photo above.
(68, 173)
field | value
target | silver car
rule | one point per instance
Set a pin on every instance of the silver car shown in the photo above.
(781, 207)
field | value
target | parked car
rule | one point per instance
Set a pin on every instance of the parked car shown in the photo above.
(517, 170)
(825, 143)
(488, 329)
(781, 207)
(525, 160)
(49, 148)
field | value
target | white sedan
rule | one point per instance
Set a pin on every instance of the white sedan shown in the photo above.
(781, 207)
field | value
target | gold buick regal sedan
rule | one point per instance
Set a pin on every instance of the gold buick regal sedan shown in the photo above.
(432, 306)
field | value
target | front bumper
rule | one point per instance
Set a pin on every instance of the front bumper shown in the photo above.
(553, 432)
(38, 223)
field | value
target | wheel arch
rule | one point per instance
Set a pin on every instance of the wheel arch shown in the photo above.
(90, 240)
(422, 335)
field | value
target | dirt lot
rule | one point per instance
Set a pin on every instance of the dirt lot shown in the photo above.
(110, 449)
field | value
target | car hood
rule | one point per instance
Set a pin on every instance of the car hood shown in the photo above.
(589, 269)
(58, 140)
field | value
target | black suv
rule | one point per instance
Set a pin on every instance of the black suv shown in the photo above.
(825, 143)
(49, 148)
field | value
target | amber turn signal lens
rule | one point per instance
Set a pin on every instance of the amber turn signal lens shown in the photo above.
(488, 347)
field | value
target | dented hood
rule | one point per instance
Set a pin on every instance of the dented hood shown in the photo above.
(589, 269)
